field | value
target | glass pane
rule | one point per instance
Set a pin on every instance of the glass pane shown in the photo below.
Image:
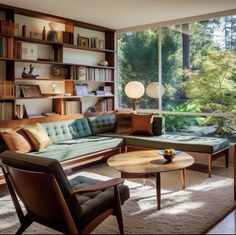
(198, 63)
(203, 126)
(137, 61)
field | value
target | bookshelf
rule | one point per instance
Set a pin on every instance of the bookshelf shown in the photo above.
(75, 58)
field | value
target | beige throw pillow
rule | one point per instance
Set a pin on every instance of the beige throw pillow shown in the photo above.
(38, 136)
(17, 141)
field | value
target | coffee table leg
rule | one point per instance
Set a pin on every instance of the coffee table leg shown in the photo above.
(158, 190)
(183, 178)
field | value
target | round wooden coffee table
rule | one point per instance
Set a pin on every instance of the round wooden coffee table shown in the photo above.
(149, 163)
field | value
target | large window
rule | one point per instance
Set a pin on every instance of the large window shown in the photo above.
(137, 60)
(198, 72)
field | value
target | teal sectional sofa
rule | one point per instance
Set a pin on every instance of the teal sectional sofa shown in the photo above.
(80, 141)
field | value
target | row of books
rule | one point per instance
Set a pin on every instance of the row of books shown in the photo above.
(72, 107)
(20, 111)
(91, 74)
(6, 47)
(6, 111)
(7, 89)
(9, 28)
(104, 105)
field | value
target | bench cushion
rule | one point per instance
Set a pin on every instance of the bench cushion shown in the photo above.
(67, 130)
(178, 142)
(78, 147)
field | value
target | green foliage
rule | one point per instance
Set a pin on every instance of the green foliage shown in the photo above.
(213, 87)
(178, 122)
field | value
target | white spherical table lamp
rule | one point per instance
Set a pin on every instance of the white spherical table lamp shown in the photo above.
(134, 90)
(152, 90)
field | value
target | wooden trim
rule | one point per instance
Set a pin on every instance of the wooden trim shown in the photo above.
(49, 17)
(93, 157)
(28, 121)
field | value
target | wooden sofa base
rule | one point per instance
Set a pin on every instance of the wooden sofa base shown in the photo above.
(86, 159)
(211, 157)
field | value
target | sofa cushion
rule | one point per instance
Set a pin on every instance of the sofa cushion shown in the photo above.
(141, 124)
(38, 136)
(17, 140)
(79, 147)
(179, 142)
(158, 125)
(102, 124)
(123, 122)
(67, 130)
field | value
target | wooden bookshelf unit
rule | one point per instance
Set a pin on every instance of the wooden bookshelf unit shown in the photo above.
(58, 66)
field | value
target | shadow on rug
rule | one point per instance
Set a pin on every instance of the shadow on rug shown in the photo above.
(191, 211)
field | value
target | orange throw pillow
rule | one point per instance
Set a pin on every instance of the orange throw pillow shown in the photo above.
(17, 141)
(142, 124)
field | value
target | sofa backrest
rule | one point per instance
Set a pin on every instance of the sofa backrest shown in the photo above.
(67, 130)
(47, 165)
(102, 124)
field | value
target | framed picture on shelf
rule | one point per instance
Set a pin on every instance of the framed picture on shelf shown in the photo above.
(81, 89)
(83, 42)
(31, 91)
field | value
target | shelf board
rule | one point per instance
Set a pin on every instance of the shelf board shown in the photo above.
(90, 66)
(66, 45)
(40, 79)
(7, 98)
(103, 96)
(38, 41)
(37, 61)
(92, 81)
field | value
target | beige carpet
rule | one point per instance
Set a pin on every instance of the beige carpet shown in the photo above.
(191, 211)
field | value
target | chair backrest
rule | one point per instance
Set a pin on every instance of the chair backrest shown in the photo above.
(41, 196)
(38, 181)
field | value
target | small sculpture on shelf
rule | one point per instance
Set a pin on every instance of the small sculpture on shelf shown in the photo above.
(29, 74)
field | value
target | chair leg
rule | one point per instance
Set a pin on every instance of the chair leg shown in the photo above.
(24, 225)
(118, 212)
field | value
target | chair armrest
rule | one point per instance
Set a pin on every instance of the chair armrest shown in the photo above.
(99, 186)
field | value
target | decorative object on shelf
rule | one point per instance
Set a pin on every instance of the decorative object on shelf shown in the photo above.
(92, 109)
(44, 33)
(29, 74)
(23, 30)
(56, 71)
(153, 90)
(103, 63)
(83, 42)
(31, 90)
(101, 44)
(52, 34)
(81, 89)
(29, 51)
(82, 73)
(134, 90)
(35, 35)
(54, 90)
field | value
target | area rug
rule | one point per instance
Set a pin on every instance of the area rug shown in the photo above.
(193, 210)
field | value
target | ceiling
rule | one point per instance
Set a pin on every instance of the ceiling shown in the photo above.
(119, 14)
